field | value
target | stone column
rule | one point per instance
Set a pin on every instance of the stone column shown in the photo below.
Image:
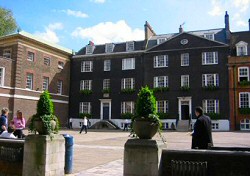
(44, 156)
(142, 157)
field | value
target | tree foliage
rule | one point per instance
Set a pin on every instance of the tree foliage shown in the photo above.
(45, 105)
(146, 103)
(7, 22)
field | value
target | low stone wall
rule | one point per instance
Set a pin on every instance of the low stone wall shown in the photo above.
(208, 162)
(11, 157)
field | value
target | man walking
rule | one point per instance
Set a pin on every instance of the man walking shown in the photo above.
(202, 134)
(84, 126)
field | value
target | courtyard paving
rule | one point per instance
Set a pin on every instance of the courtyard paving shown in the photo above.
(101, 152)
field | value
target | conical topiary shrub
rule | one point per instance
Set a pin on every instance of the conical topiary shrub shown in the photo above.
(44, 121)
(45, 105)
(146, 122)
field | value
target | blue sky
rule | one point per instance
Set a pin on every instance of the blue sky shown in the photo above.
(72, 23)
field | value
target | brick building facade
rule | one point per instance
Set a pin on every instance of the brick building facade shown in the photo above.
(29, 66)
(239, 81)
(185, 69)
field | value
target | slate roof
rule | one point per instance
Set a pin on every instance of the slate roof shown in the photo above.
(236, 37)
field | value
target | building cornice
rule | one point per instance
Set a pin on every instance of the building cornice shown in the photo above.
(108, 54)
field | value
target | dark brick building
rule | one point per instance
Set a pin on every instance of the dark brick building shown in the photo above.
(29, 66)
(185, 69)
(239, 80)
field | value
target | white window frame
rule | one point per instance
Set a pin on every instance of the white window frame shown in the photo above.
(29, 81)
(241, 104)
(90, 49)
(158, 64)
(85, 107)
(128, 83)
(106, 84)
(185, 59)
(156, 81)
(109, 47)
(86, 85)
(107, 65)
(243, 51)
(128, 63)
(161, 40)
(205, 58)
(46, 61)
(31, 57)
(86, 66)
(183, 80)
(59, 87)
(127, 107)
(216, 108)
(207, 36)
(244, 76)
(244, 123)
(205, 80)
(2, 76)
(45, 83)
(164, 108)
(130, 46)
(7, 55)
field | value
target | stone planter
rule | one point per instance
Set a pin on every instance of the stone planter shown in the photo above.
(39, 126)
(145, 129)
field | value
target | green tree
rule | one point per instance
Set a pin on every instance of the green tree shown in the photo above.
(146, 103)
(7, 22)
(45, 105)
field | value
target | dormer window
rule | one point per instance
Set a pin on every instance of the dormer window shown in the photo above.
(130, 46)
(209, 36)
(90, 49)
(109, 47)
(161, 40)
(241, 48)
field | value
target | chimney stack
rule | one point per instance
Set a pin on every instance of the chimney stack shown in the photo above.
(227, 27)
(249, 24)
(180, 29)
(149, 32)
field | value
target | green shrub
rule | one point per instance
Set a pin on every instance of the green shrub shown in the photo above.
(213, 116)
(244, 110)
(128, 91)
(163, 115)
(244, 83)
(45, 105)
(185, 88)
(127, 115)
(146, 103)
(86, 92)
(211, 87)
(106, 90)
(160, 89)
(82, 115)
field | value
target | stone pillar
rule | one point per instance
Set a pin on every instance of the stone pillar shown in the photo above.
(44, 156)
(142, 157)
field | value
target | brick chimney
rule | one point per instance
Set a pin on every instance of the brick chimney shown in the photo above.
(180, 29)
(227, 26)
(249, 24)
(149, 32)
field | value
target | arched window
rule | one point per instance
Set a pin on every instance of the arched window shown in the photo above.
(245, 124)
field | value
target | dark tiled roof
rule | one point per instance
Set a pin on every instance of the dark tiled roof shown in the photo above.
(119, 47)
(240, 36)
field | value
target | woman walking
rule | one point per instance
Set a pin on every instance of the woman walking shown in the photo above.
(19, 123)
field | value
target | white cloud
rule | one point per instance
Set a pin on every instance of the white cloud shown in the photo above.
(109, 32)
(217, 9)
(98, 1)
(243, 5)
(50, 34)
(241, 23)
(74, 13)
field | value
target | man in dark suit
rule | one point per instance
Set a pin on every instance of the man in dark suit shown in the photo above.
(202, 134)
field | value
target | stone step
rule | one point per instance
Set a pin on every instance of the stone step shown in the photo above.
(183, 125)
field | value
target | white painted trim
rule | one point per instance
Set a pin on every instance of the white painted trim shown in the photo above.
(180, 99)
(30, 98)
(6, 87)
(3, 76)
(101, 110)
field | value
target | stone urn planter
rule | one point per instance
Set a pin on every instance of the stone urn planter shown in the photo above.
(145, 129)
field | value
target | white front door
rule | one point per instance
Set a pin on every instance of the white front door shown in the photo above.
(185, 108)
(105, 109)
